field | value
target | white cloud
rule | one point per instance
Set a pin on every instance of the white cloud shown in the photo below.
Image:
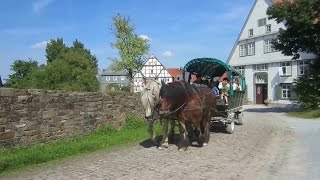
(40, 45)
(167, 54)
(145, 37)
(39, 5)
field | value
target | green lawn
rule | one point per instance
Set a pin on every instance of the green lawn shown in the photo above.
(134, 130)
(306, 114)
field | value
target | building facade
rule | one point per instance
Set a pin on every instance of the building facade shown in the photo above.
(269, 74)
(152, 69)
(110, 77)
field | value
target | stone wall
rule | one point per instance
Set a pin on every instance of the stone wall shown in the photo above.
(35, 116)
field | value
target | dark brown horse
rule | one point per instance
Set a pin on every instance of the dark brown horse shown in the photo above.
(191, 107)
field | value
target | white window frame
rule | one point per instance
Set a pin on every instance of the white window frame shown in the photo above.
(286, 69)
(241, 69)
(243, 50)
(251, 49)
(286, 91)
(107, 78)
(268, 28)
(122, 78)
(250, 32)
(260, 67)
(268, 46)
(303, 67)
(114, 78)
(262, 22)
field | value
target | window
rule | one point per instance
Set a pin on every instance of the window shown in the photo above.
(114, 78)
(285, 69)
(107, 78)
(250, 32)
(251, 49)
(268, 46)
(243, 50)
(303, 67)
(240, 69)
(151, 71)
(122, 78)
(260, 67)
(268, 28)
(178, 78)
(286, 91)
(262, 22)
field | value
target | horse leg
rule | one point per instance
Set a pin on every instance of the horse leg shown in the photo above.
(207, 133)
(184, 142)
(164, 143)
(150, 130)
(199, 131)
(171, 132)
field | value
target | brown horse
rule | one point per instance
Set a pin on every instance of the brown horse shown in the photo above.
(191, 107)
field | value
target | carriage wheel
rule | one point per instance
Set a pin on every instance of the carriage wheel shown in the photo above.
(230, 128)
(240, 118)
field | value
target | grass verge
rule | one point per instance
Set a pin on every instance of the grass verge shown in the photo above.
(306, 114)
(103, 138)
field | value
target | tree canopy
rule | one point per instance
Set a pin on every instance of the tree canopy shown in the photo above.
(131, 48)
(68, 68)
(302, 34)
(302, 21)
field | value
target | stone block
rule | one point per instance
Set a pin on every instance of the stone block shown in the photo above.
(49, 114)
(7, 135)
(32, 133)
(7, 92)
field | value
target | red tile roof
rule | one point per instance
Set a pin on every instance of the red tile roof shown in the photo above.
(174, 72)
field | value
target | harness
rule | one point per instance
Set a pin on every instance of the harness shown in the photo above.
(202, 99)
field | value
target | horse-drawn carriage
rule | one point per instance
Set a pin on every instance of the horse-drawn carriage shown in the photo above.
(214, 69)
(194, 108)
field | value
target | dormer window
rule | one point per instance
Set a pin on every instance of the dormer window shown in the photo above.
(250, 32)
(262, 22)
(268, 28)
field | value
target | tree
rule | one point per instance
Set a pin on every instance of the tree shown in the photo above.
(55, 49)
(22, 71)
(68, 68)
(73, 70)
(302, 21)
(131, 48)
(1, 85)
(302, 34)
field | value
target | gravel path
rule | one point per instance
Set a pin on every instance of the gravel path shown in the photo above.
(268, 146)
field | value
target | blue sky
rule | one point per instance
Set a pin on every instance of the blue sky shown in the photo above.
(178, 30)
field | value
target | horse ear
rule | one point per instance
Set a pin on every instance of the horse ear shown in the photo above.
(163, 83)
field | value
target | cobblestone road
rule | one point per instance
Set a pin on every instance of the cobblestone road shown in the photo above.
(260, 149)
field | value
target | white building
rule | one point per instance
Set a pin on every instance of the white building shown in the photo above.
(152, 69)
(269, 74)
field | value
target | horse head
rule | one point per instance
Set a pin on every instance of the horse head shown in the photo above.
(150, 98)
(172, 97)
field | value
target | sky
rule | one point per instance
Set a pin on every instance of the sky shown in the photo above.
(178, 30)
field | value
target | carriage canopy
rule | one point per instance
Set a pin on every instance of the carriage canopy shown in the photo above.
(212, 67)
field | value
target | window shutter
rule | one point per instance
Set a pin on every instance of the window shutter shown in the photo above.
(288, 68)
(280, 71)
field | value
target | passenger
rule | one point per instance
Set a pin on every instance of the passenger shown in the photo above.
(236, 85)
(214, 87)
(198, 79)
(224, 86)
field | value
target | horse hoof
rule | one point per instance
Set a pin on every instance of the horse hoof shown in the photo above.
(205, 144)
(182, 149)
(162, 147)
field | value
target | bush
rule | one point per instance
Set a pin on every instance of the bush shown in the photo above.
(116, 87)
(307, 88)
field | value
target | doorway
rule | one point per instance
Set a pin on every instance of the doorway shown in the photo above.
(261, 93)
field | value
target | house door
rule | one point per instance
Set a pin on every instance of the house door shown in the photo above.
(261, 93)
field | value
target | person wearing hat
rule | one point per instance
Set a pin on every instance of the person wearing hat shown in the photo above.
(198, 79)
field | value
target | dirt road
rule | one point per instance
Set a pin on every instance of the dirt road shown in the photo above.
(269, 146)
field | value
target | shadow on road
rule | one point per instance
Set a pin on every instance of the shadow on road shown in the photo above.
(272, 110)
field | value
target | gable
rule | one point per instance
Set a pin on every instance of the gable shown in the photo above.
(164, 74)
(257, 12)
(152, 67)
